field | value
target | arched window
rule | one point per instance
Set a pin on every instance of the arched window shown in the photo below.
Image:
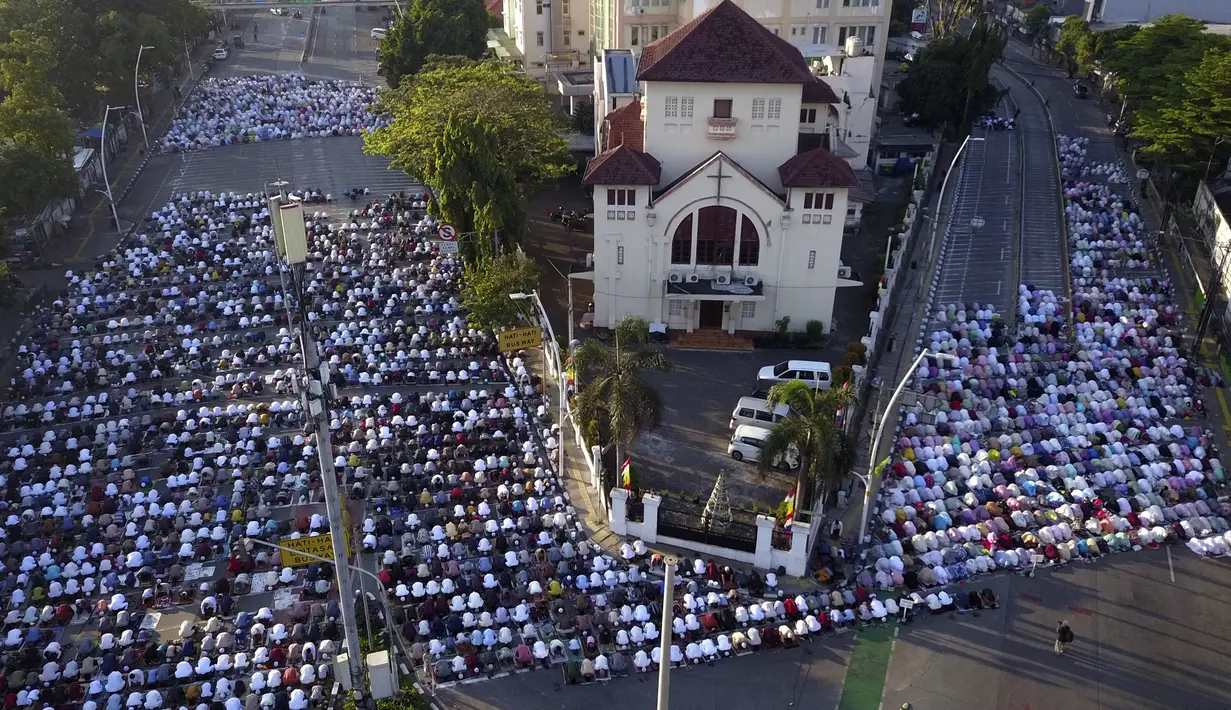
(681, 242)
(716, 235)
(749, 243)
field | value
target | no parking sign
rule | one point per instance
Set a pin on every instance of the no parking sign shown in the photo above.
(446, 232)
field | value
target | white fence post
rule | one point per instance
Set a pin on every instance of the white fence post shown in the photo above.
(619, 511)
(763, 556)
(649, 525)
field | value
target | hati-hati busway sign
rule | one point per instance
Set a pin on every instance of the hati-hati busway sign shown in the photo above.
(446, 232)
(447, 247)
(318, 545)
(520, 339)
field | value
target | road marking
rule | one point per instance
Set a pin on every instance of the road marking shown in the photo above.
(1031, 597)
(1222, 404)
(1170, 566)
(1081, 610)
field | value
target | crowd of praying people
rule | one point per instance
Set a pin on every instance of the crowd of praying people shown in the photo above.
(1082, 436)
(252, 109)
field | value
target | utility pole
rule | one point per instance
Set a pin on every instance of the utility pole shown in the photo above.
(315, 396)
(664, 632)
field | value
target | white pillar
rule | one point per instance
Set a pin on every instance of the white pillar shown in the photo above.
(619, 511)
(649, 524)
(797, 559)
(763, 557)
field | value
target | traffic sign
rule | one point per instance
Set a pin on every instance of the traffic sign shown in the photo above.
(446, 232)
(318, 545)
(519, 339)
(447, 247)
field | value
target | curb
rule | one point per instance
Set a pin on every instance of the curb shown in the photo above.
(310, 37)
(152, 152)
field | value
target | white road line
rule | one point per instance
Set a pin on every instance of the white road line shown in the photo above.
(1170, 566)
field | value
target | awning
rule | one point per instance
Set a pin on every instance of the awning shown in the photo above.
(711, 290)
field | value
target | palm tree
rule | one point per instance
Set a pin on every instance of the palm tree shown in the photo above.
(812, 434)
(613, 404)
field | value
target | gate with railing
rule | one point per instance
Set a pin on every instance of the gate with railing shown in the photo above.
(684, 519)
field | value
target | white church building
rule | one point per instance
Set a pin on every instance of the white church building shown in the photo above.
(710, 212)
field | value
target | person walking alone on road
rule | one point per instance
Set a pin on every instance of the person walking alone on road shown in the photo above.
(1064, 636)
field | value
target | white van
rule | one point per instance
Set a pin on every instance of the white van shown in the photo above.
(379, 32)
(817, 375)
(746, 445)
(755, 411)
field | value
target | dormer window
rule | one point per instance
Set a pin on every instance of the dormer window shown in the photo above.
(816, 200)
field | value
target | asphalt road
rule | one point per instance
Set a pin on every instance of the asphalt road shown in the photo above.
(979, 262)
(340, 51)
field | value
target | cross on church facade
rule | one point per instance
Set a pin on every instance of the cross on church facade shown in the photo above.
(719, 177)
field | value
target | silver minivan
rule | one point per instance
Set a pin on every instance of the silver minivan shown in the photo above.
(755, 411)
(746, 444)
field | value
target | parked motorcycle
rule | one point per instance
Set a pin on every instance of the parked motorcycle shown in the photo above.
(558, 214)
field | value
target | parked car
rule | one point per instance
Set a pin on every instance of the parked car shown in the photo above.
(277, 11)
(221, 53)
(813, 373)
(747, 442)
(379, 33)
(755, 411)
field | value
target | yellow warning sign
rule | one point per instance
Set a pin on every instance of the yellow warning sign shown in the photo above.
(319, 545)
(519, 339)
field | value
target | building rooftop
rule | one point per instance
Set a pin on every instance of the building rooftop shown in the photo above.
(723, 45)
(623, 165)
(625, 127)
(894, 132)
(817, 168)
(816, 91)
(620, 69)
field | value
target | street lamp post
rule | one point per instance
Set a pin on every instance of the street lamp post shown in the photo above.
(664, 660)
(137, 93)
(103, 161)
(870, 485)
(944, 186)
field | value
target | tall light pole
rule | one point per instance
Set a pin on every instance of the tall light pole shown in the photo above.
(315, 395)
(870, 485)
(664, 648)
(103, 161)
(137, 93)
(944, 185)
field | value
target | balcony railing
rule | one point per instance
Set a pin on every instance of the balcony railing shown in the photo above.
(721, 128)
(869, 11)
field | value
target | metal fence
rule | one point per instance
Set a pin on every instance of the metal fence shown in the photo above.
(682, 518)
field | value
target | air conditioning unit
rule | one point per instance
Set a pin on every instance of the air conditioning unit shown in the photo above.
(723, 279)
(751, 281)
(692, 278)
(675, 277)
(844, 271)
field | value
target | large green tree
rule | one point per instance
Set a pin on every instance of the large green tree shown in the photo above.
(1194, 132)
(948, 85)
(1149, 64)
(813, 434)
(95, 43)
(433, 27)
(945, 16)
(1036, 19)
(614, 404)
(1074, 36)
(481, 135)
(36, 137)
(489, 281)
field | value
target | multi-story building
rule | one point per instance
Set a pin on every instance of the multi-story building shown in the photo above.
(550, 35)
(717, 204)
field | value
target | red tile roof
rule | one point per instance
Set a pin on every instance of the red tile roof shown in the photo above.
(723, 45)
(495, 7)
(817, 168)
(623, 165)
(817, 91)
(625, 127)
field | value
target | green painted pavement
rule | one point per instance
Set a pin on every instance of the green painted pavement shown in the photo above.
(865, 677)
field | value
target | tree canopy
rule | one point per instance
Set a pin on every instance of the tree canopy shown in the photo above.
(35, 157)
(946, 15)
(812, 433)
(1036, 19)
(1192, 133)
(488, 283)
(433, 27)
(1149, 63)
(948, 85)
(94, 43)
(481, 135)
